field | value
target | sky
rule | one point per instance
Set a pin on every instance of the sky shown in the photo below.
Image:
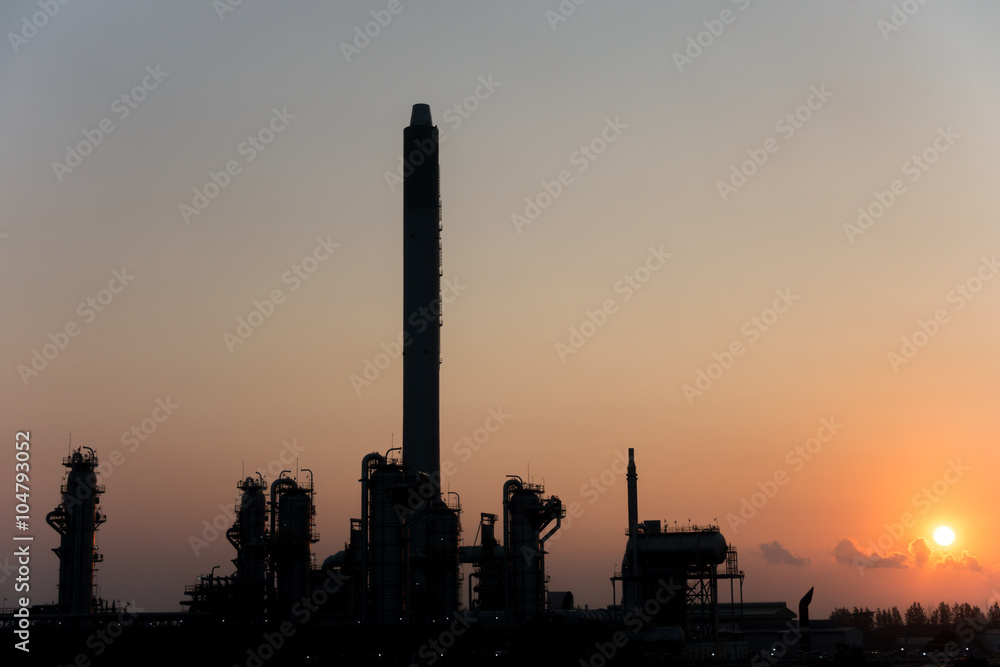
(755, 241)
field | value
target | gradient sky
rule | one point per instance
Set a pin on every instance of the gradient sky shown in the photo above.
(880, 96)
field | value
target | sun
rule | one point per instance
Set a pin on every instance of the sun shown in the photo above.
(944, 536)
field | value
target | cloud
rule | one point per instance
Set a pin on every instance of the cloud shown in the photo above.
(847, 553)
(921, 551)
(964, 562)
(776, 554)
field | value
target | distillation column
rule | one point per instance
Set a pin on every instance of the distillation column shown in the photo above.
(292, 533)
(248, 535)
(76, 520)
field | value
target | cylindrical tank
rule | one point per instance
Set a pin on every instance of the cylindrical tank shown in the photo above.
(252, 512)
(294, 516)
(525, 555)
(697, 548)
(386, 545)
(250, 540)
(291, 525)
(653, 559)
(443, 562)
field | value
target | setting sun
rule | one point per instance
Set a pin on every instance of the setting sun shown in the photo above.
(944, 536)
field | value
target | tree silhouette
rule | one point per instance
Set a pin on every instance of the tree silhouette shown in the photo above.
(993, 616)
(915, 616)
(841, 616)
(944, 613)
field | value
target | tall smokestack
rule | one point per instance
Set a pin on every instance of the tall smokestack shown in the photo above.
(421, 295)
(632, 577)
(633, 493)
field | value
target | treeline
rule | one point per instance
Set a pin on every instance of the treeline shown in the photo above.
(916, 618)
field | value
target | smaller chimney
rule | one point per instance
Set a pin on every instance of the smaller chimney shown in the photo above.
(633, 493)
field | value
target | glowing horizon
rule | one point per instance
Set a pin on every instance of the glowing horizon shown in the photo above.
(765, 262)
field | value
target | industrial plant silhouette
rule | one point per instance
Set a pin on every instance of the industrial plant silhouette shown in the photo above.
(394, 595)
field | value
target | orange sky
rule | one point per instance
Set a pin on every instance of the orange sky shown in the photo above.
(783, 306)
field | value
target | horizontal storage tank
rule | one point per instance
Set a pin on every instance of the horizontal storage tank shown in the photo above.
(681, 548)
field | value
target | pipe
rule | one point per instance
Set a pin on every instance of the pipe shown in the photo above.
(365, 506)
(804, 626)
(54, 514)
(549, 534)
(336, 560)
(512, 481)
(274, 503)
